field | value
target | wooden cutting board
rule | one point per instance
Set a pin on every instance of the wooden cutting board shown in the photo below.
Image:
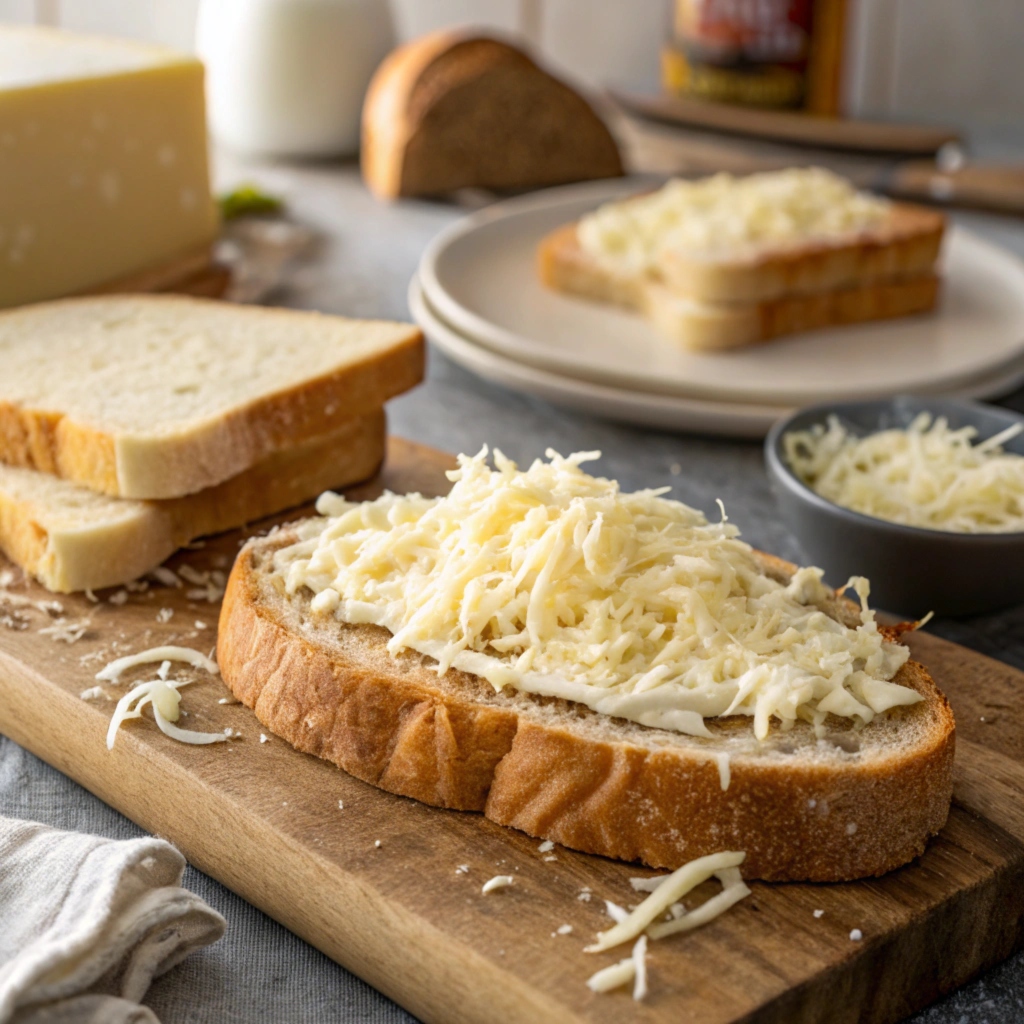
(268, 823)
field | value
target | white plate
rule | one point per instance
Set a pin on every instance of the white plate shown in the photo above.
(480, 276)
(727, 419)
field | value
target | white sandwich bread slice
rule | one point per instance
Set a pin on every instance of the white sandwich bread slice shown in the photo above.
(71, 538)
(607, 671)
(161, 396)
(758, 307)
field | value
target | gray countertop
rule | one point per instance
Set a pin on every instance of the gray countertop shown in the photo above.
(261, 972)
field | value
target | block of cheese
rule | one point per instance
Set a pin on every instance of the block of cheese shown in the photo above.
(103, 161)
(71, 538)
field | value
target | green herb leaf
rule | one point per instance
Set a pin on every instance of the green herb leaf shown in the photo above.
(246, 200)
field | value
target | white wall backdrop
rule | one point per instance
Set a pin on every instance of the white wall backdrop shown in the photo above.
(949, 61)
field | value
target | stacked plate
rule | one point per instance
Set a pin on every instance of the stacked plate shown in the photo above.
(477, 296)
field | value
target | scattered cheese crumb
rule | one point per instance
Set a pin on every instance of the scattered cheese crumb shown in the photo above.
(647, 884)
(856, 935)
(462, 869)
(66, 631)
(546, 847)
(376, 843)
(165, 576)
(229, 700)
(497, 882)
(94, 693)
(612, 977)
(564, 929)
(615, 912)
(585, 896)
(263, 737)
(119, 597)
(851, 828)
(165, 615)
(90, 596)
(200, 624)
(341, 805)
(819, 913)
(639, 959)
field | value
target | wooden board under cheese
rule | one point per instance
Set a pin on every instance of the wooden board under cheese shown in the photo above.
(299, 839)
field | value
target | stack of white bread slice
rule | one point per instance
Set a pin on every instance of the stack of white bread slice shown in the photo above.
(724, 261)
(130, 425)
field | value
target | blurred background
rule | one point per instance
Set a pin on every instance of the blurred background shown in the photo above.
(941, 61)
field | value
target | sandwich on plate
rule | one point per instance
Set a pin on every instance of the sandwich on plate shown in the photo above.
(724, 262)
(607, 670)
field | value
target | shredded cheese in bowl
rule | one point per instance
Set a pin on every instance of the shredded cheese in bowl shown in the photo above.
(556, 583)
(926, 475)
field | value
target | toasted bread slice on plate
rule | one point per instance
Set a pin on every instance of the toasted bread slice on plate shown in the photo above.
(851, 804)
(858, 289)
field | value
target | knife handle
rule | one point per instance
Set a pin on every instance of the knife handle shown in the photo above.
(995, 187)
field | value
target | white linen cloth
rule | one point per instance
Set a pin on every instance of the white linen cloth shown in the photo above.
(86, 923)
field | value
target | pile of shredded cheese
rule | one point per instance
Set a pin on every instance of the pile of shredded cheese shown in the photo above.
(554, 582)
(926, 475)
(724, 215)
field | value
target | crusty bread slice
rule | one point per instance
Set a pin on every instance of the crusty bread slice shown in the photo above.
(158, 396)
(455, 110)
(71, 538)
(699, 325)
(858, 803)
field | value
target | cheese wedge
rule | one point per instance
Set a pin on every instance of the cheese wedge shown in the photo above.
(103, 161)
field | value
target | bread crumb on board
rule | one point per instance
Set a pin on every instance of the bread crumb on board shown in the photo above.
(856, 935)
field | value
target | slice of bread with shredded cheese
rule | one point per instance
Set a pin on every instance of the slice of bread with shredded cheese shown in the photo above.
(71, 538)
(853, 288)
(154, 396)
(855, 803)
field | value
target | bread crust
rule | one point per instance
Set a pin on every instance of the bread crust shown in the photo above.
(558, 771)
(704, 325)
(404, 116)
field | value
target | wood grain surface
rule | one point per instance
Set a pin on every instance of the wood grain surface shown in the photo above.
(267, 822)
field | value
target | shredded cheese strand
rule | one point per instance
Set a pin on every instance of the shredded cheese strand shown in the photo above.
(677, 885)
(169, 652)
(612, 977)
(731, 894)
(556, 583)
(926, 475)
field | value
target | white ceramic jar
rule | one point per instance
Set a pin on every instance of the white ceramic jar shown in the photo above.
(287, 77)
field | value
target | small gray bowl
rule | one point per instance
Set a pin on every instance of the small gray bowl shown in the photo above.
(912, 570)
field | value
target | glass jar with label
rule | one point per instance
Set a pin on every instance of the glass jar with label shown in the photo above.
(777, 54)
